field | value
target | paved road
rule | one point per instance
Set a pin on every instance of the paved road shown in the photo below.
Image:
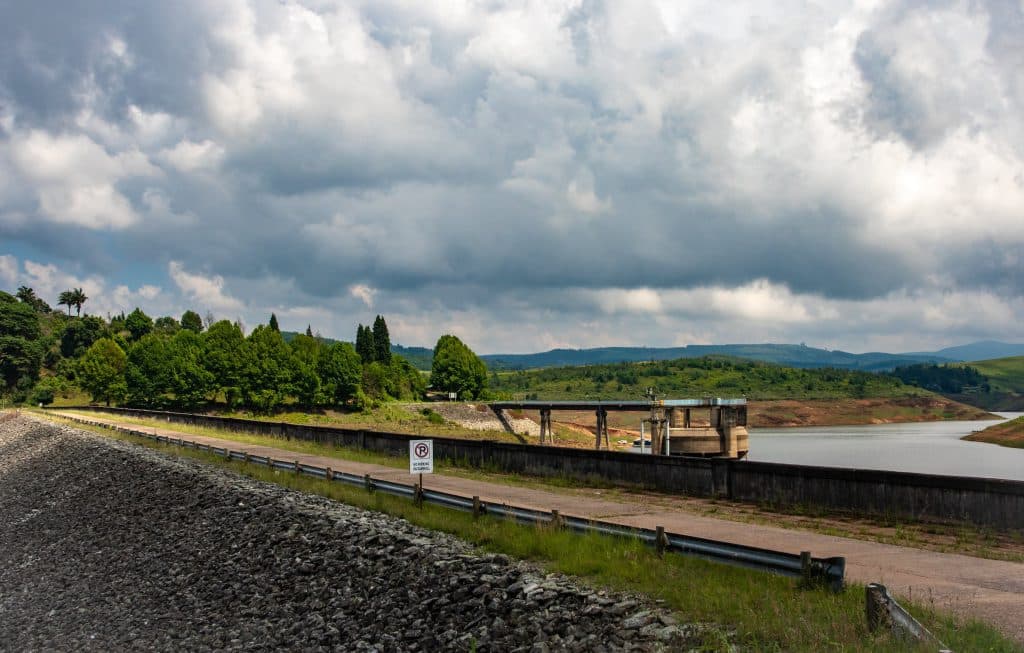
(990, 590)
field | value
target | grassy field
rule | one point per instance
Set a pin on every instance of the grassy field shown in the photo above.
(755, 610)
(1004, 374)
(1007, 434)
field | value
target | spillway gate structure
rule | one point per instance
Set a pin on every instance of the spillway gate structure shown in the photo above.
(709, 427)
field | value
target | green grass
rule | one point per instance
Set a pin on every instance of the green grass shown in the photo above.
(1004, 374)
(759, 611)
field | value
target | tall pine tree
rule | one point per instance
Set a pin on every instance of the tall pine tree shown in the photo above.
(273, 323)
(364, 344)
(381, 341)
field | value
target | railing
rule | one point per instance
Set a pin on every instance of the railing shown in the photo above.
(829, 572)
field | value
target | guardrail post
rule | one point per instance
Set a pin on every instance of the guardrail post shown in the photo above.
(297, 468)
(247, 459)
(805, 568)
(660, 540)
(330, 474)
(477, 507)
(368, 482)
(875, 607)
(556, 519)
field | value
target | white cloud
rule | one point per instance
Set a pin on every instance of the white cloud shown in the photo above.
(8, 270)
(207, 291)
(75, 178)
(363, 293)
(188, 156)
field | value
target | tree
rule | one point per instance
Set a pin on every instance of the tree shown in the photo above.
(79, 335)
(187, 380)
(340, 372)
(166, 325)
(147, 371)
(273, 323)
(457, 369)
(364, 344)
(101, 371)
(66, 298)
(21, 351)
(267, 378)
(226, 354)
(138, 324)
(381, 341)
(309, 330)
(28, 296)
(190, 320)
(77, 299)
(307, 382)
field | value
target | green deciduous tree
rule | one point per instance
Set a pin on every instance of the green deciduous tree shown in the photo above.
(187, 380)
(307, 383)
(166, 325)
(138, 323)
(78, 335)
(267, 379)
(190, 320)
(381, 341)
(146, 374)
(457, 369)
(21, 351)
(226, 354)
(101, 371)
(340, 372)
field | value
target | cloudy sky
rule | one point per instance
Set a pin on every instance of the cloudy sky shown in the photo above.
(525, 174)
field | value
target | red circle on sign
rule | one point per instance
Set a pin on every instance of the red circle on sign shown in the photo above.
(422, 450)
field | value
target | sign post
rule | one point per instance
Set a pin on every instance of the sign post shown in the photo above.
(421, 461)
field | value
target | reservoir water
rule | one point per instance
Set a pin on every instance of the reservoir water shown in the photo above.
(923, 447)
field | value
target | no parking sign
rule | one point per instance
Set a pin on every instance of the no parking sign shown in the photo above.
(421, 456)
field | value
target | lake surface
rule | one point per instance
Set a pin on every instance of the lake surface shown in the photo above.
(924, 447)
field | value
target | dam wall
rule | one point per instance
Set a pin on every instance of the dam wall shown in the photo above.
(993, 503)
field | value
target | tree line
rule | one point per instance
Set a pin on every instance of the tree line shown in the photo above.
(184, 363)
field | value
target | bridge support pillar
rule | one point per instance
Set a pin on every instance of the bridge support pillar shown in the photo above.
(602, 429)
(546, 432)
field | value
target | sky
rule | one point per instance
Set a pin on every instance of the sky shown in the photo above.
(525, 175)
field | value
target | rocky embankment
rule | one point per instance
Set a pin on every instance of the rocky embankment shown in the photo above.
(110, 546)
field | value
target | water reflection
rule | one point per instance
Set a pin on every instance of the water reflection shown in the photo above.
(929, 448)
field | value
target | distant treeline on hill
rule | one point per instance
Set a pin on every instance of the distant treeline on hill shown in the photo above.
(696, 377)
(948, 379)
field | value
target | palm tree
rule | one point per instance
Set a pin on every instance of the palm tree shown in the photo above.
(77, 298)
(26, 295)
(66, 298)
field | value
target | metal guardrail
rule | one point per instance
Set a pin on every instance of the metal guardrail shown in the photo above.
(829, 572)
(883, 611)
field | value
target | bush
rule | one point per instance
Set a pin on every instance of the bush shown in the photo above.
(432, 416)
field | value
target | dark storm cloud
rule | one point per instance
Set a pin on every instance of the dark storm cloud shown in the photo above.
(341, 153)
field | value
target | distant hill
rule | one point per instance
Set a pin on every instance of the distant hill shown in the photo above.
(979, 351)
(789, 355)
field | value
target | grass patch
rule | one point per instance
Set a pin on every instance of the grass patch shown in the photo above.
(767, 613)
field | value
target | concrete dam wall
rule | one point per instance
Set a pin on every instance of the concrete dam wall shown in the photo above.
(994, 503)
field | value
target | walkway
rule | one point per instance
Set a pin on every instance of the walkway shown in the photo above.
(990, 590)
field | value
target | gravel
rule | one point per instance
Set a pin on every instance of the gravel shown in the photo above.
(106, 545)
